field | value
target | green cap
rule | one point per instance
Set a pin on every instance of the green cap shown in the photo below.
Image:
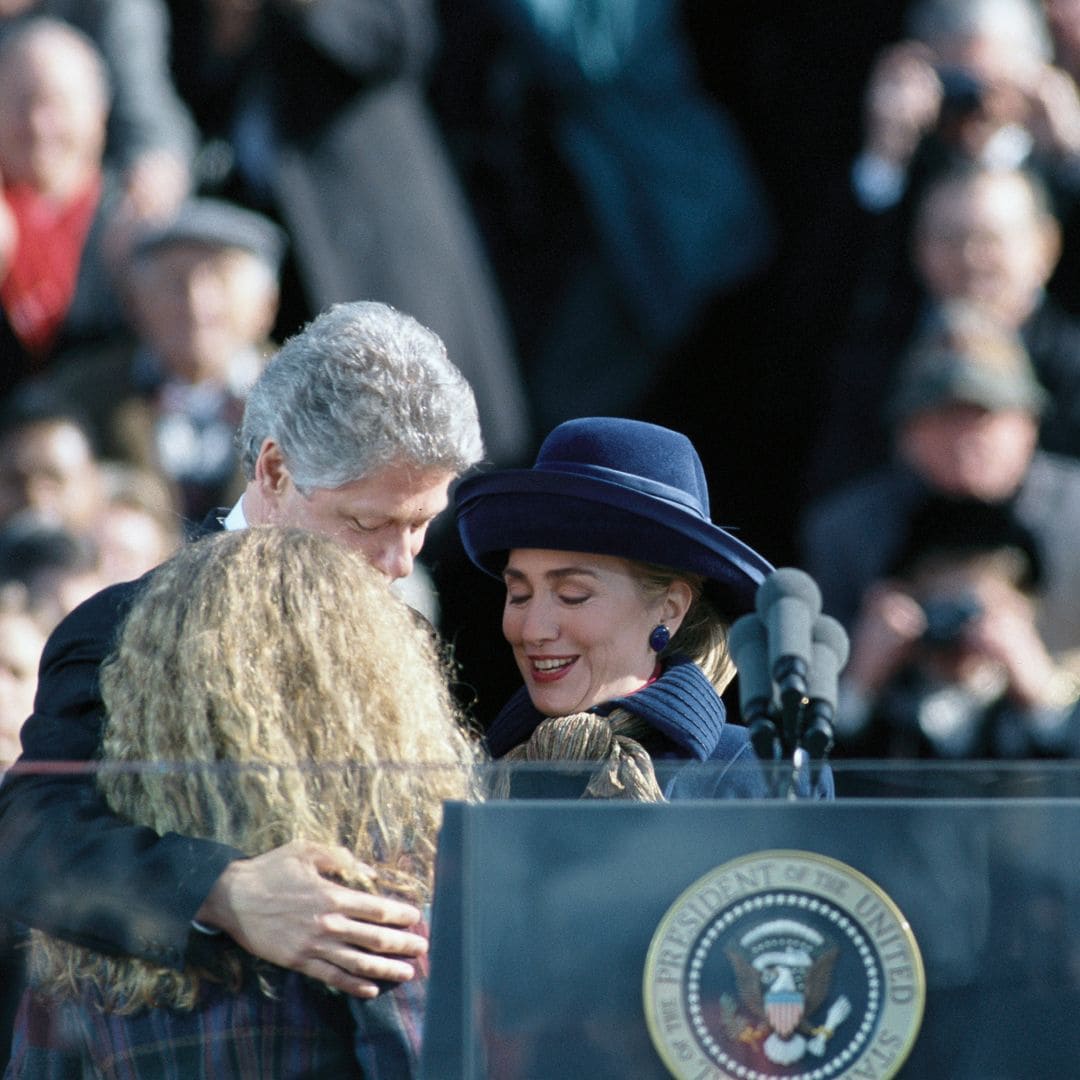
(951, 364)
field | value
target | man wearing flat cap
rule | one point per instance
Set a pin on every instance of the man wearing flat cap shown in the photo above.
(965, 415)
(202, 290)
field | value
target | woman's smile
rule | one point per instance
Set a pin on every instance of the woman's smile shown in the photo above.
(550, 668)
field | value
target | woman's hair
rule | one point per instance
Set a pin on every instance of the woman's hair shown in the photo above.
(624, 768)
(361, 387)
(283, 693)
(703, 634)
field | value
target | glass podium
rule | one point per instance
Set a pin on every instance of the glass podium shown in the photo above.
(924, 924)
(578, 938)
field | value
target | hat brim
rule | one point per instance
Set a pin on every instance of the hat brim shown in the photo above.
(534, 508)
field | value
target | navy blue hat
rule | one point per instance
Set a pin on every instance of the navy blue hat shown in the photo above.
(609, 486)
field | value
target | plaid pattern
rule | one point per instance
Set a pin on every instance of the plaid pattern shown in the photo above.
(303, 1032)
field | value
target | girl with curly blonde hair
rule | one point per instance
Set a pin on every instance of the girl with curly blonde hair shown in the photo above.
(267, 687)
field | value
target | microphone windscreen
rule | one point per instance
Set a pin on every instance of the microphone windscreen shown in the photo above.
(789, 601)
(830, 653)
(749, 648)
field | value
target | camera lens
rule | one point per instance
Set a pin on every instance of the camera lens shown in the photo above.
(947, 617)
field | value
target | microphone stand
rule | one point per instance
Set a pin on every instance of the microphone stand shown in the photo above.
(793, 741)
(789, 656)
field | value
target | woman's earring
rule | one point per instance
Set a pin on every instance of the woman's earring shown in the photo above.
(659, 638)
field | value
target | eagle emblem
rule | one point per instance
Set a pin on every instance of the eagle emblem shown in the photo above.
(783, 969)
(771, 966)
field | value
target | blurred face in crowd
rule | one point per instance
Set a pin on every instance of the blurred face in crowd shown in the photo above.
(53, 108)
(58, 591)
(21, 642)
(579, 626)
(985, 241)
(965, 450)
(131, 541)
(197, 305)
(49, 468)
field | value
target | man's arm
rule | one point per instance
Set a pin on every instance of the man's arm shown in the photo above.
(71, 867)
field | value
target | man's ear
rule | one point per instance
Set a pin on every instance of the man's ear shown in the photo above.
(271, 473)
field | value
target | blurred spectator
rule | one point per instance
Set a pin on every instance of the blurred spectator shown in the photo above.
(21, 642)
(140, 524)
(980, 236)
(970, 85)
(203, 293)
(47, 463)
(973, 82)
(315, 114)
(56, 199)
(151, 136)
(617, 197)
(965, 425)
(52, 567)
(946, 657)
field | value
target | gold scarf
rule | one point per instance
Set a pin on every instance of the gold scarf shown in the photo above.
(625, 770)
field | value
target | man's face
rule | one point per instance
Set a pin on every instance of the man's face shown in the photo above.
(49, 468)
(984, 242)
(191, 303)
(970, 452)
(52, 116)
(384, 516)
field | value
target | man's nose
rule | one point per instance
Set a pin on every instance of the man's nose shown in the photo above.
(395, 558)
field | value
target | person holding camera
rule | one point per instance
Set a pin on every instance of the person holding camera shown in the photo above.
(946, 658)
(974, 81)
(963, 417)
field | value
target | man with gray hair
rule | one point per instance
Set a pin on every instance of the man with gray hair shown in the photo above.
(355, 429)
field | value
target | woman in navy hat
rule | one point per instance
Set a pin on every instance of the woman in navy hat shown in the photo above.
(619, 594)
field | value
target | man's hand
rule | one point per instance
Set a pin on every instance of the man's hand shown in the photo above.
(155, 184)
(902, 102)
(281, 906)
(1053, 119)
(1006, 633)
(889, 625)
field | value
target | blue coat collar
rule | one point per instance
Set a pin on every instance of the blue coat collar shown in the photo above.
(681, 704)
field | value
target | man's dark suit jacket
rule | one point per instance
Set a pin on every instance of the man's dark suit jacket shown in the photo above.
(68, 865)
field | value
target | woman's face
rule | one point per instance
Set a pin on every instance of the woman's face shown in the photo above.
(579, 626)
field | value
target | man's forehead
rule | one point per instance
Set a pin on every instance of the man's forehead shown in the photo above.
(398, 489)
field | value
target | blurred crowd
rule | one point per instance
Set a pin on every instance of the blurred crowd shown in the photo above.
(847, 265)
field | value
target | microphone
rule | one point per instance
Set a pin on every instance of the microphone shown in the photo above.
(788, 601)
(829, 647)
(748, 645)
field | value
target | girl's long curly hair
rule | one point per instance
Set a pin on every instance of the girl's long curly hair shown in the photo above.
(268, 687)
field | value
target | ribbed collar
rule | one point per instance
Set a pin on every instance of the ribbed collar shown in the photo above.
(682, 705)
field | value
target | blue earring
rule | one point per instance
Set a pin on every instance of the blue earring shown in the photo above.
(659, 638)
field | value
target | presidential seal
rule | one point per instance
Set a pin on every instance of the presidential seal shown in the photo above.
(784, 964)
